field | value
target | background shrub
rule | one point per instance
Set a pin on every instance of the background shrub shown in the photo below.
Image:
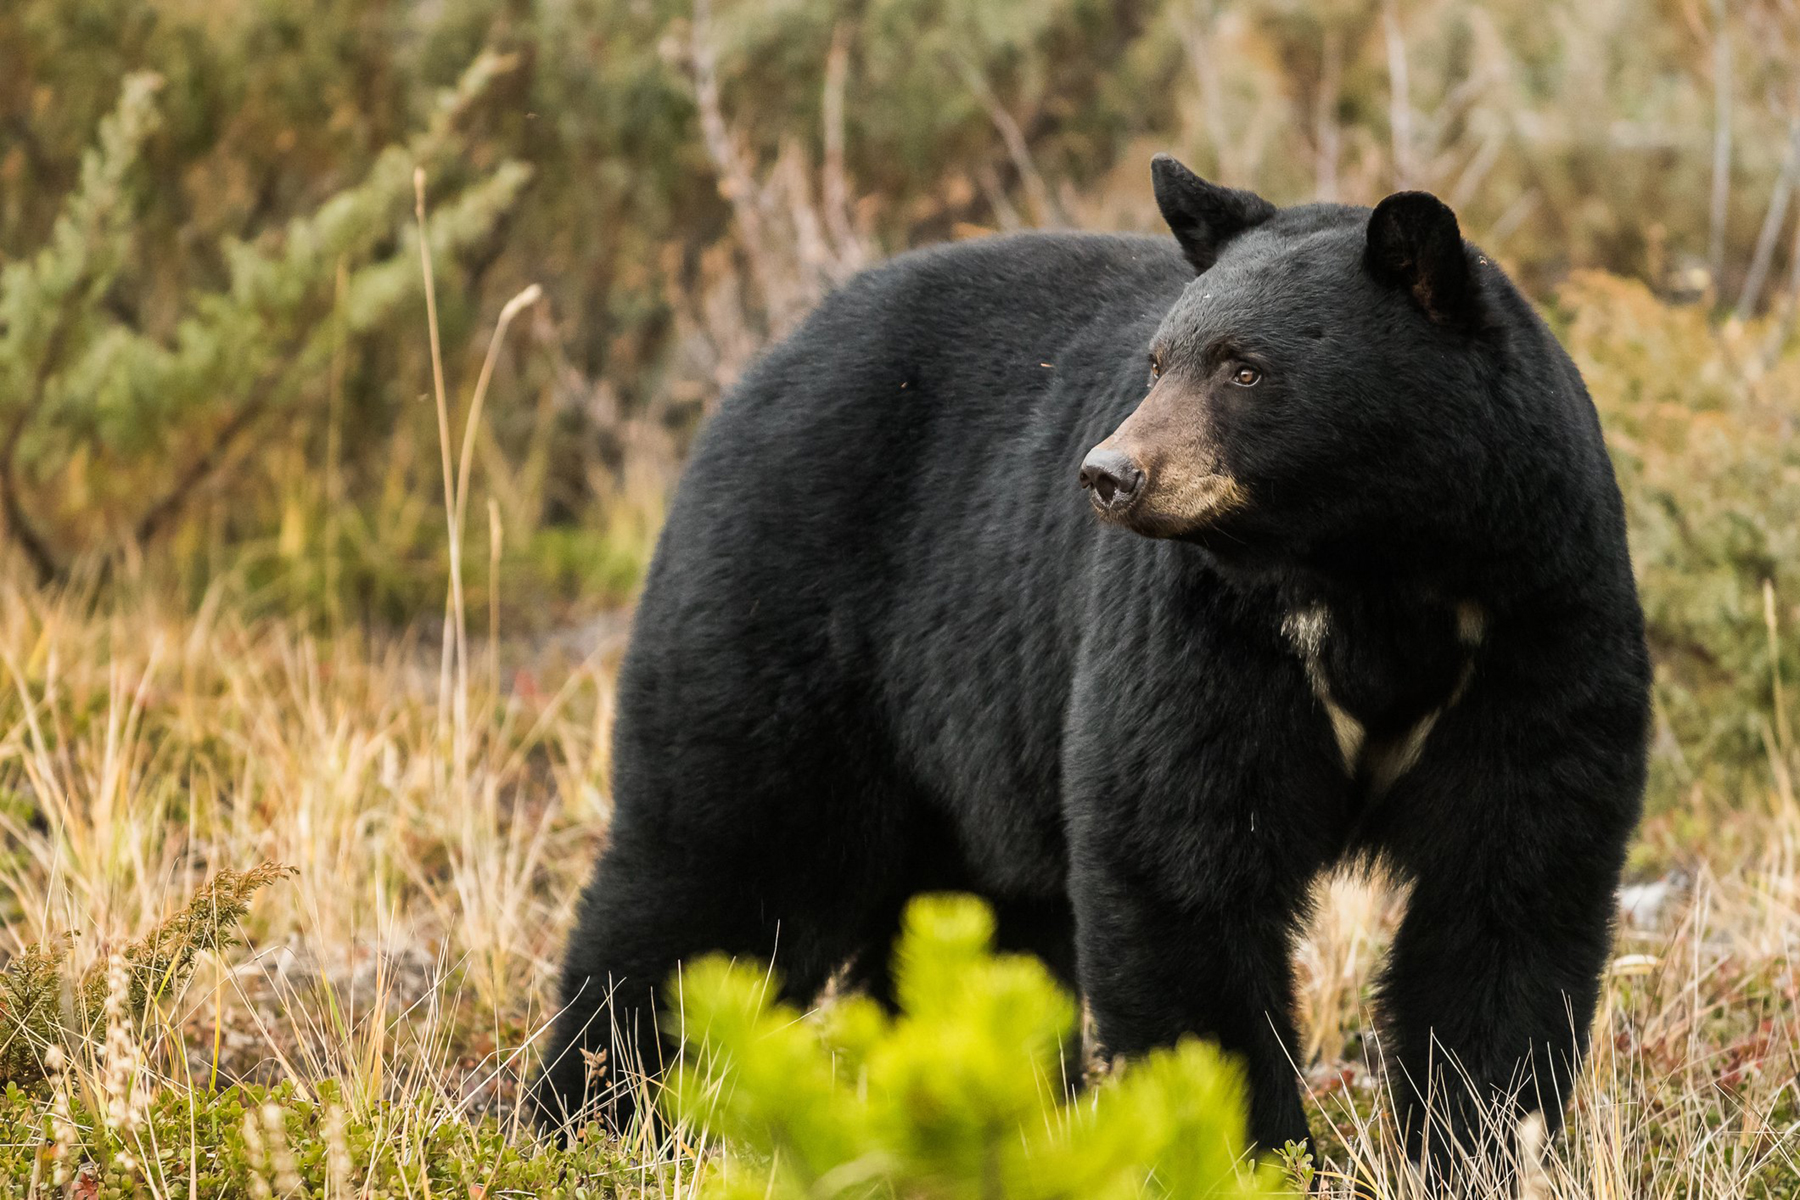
(186, 374)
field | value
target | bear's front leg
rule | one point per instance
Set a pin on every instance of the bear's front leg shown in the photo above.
(1512, 838)
(1157, 963)
(1491, 987)
(1199, 809)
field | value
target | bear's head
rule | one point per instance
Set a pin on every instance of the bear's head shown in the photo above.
(1320, 387)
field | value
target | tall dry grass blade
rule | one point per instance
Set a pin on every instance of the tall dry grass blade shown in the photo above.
(454, 616)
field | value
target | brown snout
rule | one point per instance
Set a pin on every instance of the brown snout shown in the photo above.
(1112, 478)
(1159, 473)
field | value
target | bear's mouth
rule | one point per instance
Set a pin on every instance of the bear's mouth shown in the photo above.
(1175, 503)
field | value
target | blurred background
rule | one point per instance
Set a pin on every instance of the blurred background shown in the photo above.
(214, 361)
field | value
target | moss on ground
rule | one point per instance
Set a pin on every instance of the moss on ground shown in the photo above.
(252, 1141)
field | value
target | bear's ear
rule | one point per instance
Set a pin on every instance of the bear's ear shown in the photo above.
(1415, 244)
(1203, 216)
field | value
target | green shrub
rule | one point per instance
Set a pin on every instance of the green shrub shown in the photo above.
(34, 985)
(252, 1141)
(1567, 134)
(958, 1096)
(1700, 419)
(108, 430)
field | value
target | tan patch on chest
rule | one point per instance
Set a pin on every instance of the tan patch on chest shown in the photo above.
(1382, 761)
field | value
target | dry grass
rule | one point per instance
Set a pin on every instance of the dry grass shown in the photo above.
(1691, 1087)
(143, 751)
(412, 958)
(413, 954)
(442, 805)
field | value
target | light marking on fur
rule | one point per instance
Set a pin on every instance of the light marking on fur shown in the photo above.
(1305, 630)
(1383, 762)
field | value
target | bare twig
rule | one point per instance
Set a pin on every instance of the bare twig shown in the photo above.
(988, 180)
(1399, 101)
(202, 468)
(1764, 256)
(1326, 132)
(735, 181)
(1513, 217)
(796, 247)
(18, 523)
(1228, 145)
(835, 187)
(1793, 285)
(1721, 159)
(1469, 181)
(43, 565)
(791, 177)
(1043, 204)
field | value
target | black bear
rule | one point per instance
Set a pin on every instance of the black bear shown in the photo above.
(1131, 584)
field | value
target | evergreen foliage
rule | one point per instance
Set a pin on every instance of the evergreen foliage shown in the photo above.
(251, 1141)
(958, 1096)
(34, 985)
(108, 429)
(698, 174)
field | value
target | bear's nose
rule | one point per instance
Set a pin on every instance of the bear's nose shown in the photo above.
(1112, 478)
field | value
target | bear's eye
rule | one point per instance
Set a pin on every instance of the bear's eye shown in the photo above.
(1155, 364)
(1246, 376)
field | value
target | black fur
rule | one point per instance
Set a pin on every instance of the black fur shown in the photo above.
(886, 647)
(1203, 216)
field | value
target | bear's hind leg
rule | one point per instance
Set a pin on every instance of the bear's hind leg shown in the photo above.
(634, 924)
(657, 902)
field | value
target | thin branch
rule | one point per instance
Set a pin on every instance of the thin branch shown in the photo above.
(1048, 212)
(1764, 256)
(202, 468)
(735, 181)
(1196, 34)
(1469, 182)
(218, 454)
(42, 564)
(1789, 323)
(988, 180)
(1326, 131)
(1721, 160)
(792, 178)
(835, 185)
(1512, 218)
(1793, 286)
(17, 522)
(1399, 99)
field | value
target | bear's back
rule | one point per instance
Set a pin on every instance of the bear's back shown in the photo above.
(884, 515)
(909, 392)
